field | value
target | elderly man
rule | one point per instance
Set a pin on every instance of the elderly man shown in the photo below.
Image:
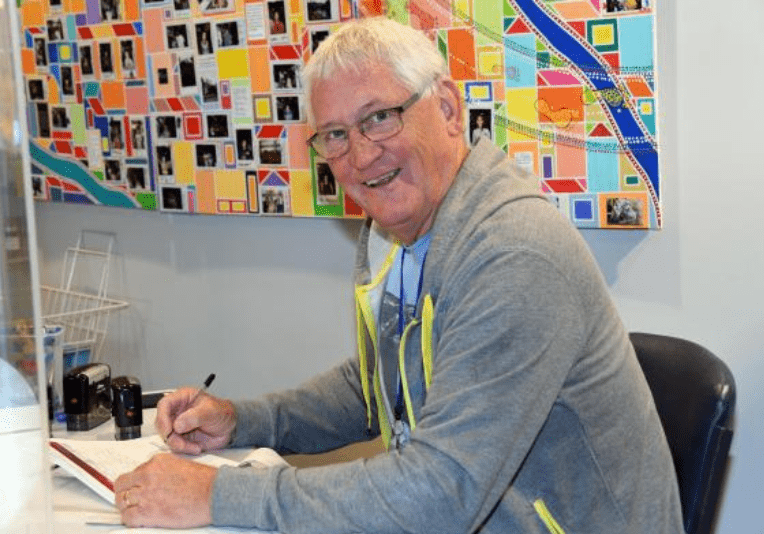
(491, 359)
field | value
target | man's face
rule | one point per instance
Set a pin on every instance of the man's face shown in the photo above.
(400, 181)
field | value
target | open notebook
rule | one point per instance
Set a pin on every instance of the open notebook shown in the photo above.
(98, 463)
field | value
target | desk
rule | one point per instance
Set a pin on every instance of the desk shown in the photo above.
(74, 503)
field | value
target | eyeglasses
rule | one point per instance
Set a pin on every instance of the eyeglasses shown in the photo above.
(378, 126)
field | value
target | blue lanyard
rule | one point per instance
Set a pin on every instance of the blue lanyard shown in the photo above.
(402, 325)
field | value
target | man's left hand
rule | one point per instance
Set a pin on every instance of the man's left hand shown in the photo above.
(166, 491)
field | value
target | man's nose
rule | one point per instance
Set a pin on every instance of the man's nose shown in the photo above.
(363, 151)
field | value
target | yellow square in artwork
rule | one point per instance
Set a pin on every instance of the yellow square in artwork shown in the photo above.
(232, 63)
(64, 52)
(489, 64)
(263, 108)
(224, 206)
(230, 184)
(183, 159)
(479, 92)
(302, 193)
(522, 113)
(646, 108)
(603, 35)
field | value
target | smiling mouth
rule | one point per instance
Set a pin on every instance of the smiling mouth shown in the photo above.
(382, 180)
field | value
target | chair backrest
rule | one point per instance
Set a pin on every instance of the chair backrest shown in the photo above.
(694, 392)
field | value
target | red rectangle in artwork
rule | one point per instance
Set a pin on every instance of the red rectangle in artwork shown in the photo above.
(80, 152)
(175, 104)
(285, 52)
(270, 131)
(564, 186)
(128, 137)
(96, 105)
(225, 102)
(614, 61)
(70, 187)
(120, 30)
(192, 126)
(85, 32)
(61, 134)
(63, 147)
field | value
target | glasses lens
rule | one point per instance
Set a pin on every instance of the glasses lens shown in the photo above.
(382, 124)
(329, 147)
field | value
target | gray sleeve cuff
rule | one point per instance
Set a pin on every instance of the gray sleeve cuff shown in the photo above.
(237, 497)
(253, 425)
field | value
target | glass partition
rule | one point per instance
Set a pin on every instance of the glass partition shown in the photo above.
(25, 502)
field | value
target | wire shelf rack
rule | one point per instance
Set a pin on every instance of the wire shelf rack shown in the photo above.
(80, 303)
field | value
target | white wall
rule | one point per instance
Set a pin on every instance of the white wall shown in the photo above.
(266, 303)
(262, 302)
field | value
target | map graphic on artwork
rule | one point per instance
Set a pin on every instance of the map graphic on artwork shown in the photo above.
(196, 106)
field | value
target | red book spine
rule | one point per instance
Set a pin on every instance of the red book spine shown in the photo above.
(80, 463)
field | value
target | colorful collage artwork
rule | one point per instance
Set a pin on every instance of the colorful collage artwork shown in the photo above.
(196, 106)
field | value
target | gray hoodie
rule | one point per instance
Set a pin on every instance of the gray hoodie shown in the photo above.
(537, 418)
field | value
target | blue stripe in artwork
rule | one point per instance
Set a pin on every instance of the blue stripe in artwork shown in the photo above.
(598, 75)
(75, 172)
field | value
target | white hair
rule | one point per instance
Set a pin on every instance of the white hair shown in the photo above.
(411, 56)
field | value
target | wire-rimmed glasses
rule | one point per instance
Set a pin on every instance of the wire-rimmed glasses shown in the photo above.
(377, 126)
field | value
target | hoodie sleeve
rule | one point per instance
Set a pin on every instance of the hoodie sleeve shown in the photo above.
(320, 415)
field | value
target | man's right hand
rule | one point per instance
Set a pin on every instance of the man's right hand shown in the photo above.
(194, 426)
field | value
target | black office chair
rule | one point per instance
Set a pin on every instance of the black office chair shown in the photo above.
(694, 392)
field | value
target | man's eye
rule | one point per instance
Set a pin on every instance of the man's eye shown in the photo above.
(380, 116)
(335, 135)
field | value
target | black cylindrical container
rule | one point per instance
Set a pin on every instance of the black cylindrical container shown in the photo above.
(127, 407)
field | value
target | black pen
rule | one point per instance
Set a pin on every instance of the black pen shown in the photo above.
(201, 390)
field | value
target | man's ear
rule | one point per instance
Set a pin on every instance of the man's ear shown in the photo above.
(451, 105)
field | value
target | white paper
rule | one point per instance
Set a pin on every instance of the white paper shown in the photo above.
(254, 13)
(241, 98)
(95, 149)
